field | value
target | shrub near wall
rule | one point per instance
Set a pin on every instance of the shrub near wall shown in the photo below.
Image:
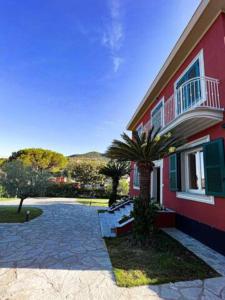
(70, 191)
(61, 190)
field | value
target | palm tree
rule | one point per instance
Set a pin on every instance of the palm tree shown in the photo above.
(115, 169)
(143, 150)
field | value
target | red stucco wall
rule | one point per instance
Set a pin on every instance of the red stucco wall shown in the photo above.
(213, 45)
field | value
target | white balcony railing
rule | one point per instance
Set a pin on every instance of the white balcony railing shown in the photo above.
(196, 92)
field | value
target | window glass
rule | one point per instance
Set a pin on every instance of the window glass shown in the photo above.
(139, 130)
(136, 176)
(190, 93)
(195, 168)
(157, 116)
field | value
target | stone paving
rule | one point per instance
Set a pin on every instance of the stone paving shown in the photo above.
(61, 255)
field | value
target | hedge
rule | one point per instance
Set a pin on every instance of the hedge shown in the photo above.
(70, 191)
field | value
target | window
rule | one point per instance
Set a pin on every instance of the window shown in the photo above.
(194, 165)
(157, 116)
(139, 129)
(136, 180)
(190, 85)
(197, 170)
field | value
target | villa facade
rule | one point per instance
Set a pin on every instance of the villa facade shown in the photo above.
(187, 98)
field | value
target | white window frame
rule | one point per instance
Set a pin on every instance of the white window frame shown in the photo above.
(155, 107)
(187, 195)
(200, 57)
(187, 173)
(136, 170)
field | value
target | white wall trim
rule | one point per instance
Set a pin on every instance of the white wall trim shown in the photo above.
(196, 197)
(195, 143)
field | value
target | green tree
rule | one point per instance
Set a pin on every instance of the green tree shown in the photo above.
(115, 170)
(143, 150)
(40, 159)
(123, 188)
(86, 172)
(2, 161)
(23, 181)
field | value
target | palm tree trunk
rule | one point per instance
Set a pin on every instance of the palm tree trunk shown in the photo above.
(115, 183)
(145, 182)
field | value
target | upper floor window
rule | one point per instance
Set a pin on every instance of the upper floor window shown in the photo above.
(140, 129)
(136, 178)
(157, 115)
(190, 85)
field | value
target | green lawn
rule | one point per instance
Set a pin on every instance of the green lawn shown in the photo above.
(164, 261)
(8, 214)
(92, 202)
(7, 199)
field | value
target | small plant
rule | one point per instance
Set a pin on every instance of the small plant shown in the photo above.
(144, 221)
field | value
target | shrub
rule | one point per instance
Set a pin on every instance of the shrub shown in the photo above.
(61, 190)
(144, 220)
(71, 191)
(3, 192)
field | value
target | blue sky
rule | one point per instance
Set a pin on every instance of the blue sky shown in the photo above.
(72, 72)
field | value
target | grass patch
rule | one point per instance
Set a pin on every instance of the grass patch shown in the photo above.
(8, 214)
(7, 199)
(93, 202)
(165, 260)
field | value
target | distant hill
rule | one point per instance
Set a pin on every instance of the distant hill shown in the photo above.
(93, 155)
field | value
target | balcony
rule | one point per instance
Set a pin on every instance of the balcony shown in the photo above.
(195, 106)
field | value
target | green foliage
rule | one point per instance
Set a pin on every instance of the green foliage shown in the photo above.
(3, 192)
(94, 155)
(69, 190)
(115, 170)
(142, 149)
(2, 161)
(23, 181)
(40, 159)
(86, 172)
(144, 220)
(123, 188)
(62, 190)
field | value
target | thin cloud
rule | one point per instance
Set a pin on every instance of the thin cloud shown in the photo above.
(117, 61)
(114, 34)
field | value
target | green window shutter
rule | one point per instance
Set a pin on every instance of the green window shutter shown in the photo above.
(174, 172)
(214, 165)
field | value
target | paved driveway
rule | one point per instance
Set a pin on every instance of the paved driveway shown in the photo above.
(61, 255)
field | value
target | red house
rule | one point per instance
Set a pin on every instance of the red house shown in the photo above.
(188, 98)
